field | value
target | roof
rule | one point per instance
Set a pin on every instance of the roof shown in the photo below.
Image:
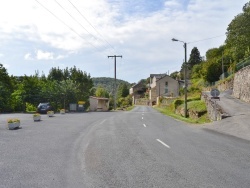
(157, 75)
(164, 77)
(99, 98)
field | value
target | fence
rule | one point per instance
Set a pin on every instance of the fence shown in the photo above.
(243, 64)
(240, 65)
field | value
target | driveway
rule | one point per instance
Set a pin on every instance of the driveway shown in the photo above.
(238, 121)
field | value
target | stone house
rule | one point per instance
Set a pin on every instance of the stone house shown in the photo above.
(162, 85)
(137, 91)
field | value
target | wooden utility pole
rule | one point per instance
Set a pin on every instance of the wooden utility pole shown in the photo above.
(115, 56)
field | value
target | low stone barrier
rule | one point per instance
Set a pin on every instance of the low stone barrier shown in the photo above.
(213, 109)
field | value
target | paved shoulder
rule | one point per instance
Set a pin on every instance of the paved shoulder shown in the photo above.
(237, 124)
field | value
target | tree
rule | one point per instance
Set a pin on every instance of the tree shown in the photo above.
(5, 89)
(123, 91)
(238, 35)
(211, 71)
(56, 74)
(194, 58)
(175, 75)
(101, 92)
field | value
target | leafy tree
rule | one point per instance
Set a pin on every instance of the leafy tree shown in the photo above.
(175, 75)
(101, 92)
(84, 82)
(211, 71)
(56, 74)
(238, 35)
(123, 91)
(197, 71)
(5, 89)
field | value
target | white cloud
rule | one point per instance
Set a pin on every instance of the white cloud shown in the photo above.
(28, 56)
(40, 55)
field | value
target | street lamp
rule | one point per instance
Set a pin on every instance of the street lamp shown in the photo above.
(185, 74)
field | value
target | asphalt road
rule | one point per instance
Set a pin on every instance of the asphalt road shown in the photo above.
(140, 148)
(237, 123)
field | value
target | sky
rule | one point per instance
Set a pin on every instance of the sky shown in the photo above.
(37, 35)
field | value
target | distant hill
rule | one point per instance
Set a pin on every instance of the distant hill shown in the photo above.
(108, 83)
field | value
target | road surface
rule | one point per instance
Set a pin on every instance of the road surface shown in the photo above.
(140, 148)
(238, 117)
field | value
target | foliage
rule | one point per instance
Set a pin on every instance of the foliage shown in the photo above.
(211, 71)
(108, 83)
(13, 120)
(196, 71)
(36, 114)
(175, 75)
(30, 107)
(60, 88)
(123, 90)
(101, 92)
(125, 101)
(195, 58)
(6, 88)
(198, 106)
(177, 103)
(238, 36)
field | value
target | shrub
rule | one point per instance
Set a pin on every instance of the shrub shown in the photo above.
(198, 106)
(13, 120)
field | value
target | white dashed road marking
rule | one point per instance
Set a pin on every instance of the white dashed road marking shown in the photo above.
(163, 143)
(144, 125)
(103, 121)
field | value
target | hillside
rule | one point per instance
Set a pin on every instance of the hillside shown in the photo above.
(108, 83)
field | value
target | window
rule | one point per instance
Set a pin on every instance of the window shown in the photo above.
(166, 87)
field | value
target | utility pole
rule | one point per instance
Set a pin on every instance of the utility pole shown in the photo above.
(185, 75)
(185, 80)
(115, 56)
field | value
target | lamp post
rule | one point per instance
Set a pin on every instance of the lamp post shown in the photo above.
(185, 74)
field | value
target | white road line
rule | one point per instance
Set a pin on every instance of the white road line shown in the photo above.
(163, 143)
(141, 117)
(103, 121)
(144, 125)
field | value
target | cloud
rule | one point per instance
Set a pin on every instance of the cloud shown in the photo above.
(43, 55)
(28, 56)
(40, 55)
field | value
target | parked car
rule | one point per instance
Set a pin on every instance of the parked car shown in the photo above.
(43, 108)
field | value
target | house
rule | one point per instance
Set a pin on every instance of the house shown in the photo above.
(98, 104)
(162, 85)
(137, 91)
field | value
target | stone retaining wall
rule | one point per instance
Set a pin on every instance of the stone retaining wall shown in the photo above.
(241, 89)
(214, 111)
(226, 85)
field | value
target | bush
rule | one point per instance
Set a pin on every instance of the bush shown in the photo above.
(177, 103)
(198, 106)
(30, 107)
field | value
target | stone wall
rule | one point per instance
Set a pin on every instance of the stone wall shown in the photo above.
(225, 85)
(214, 111)
(241, 89)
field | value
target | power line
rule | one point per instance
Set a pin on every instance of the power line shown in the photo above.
(206, 39)
(90, 24)
(75, 19)
(65, 24)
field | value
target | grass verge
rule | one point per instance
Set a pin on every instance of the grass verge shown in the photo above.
(167, 111)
